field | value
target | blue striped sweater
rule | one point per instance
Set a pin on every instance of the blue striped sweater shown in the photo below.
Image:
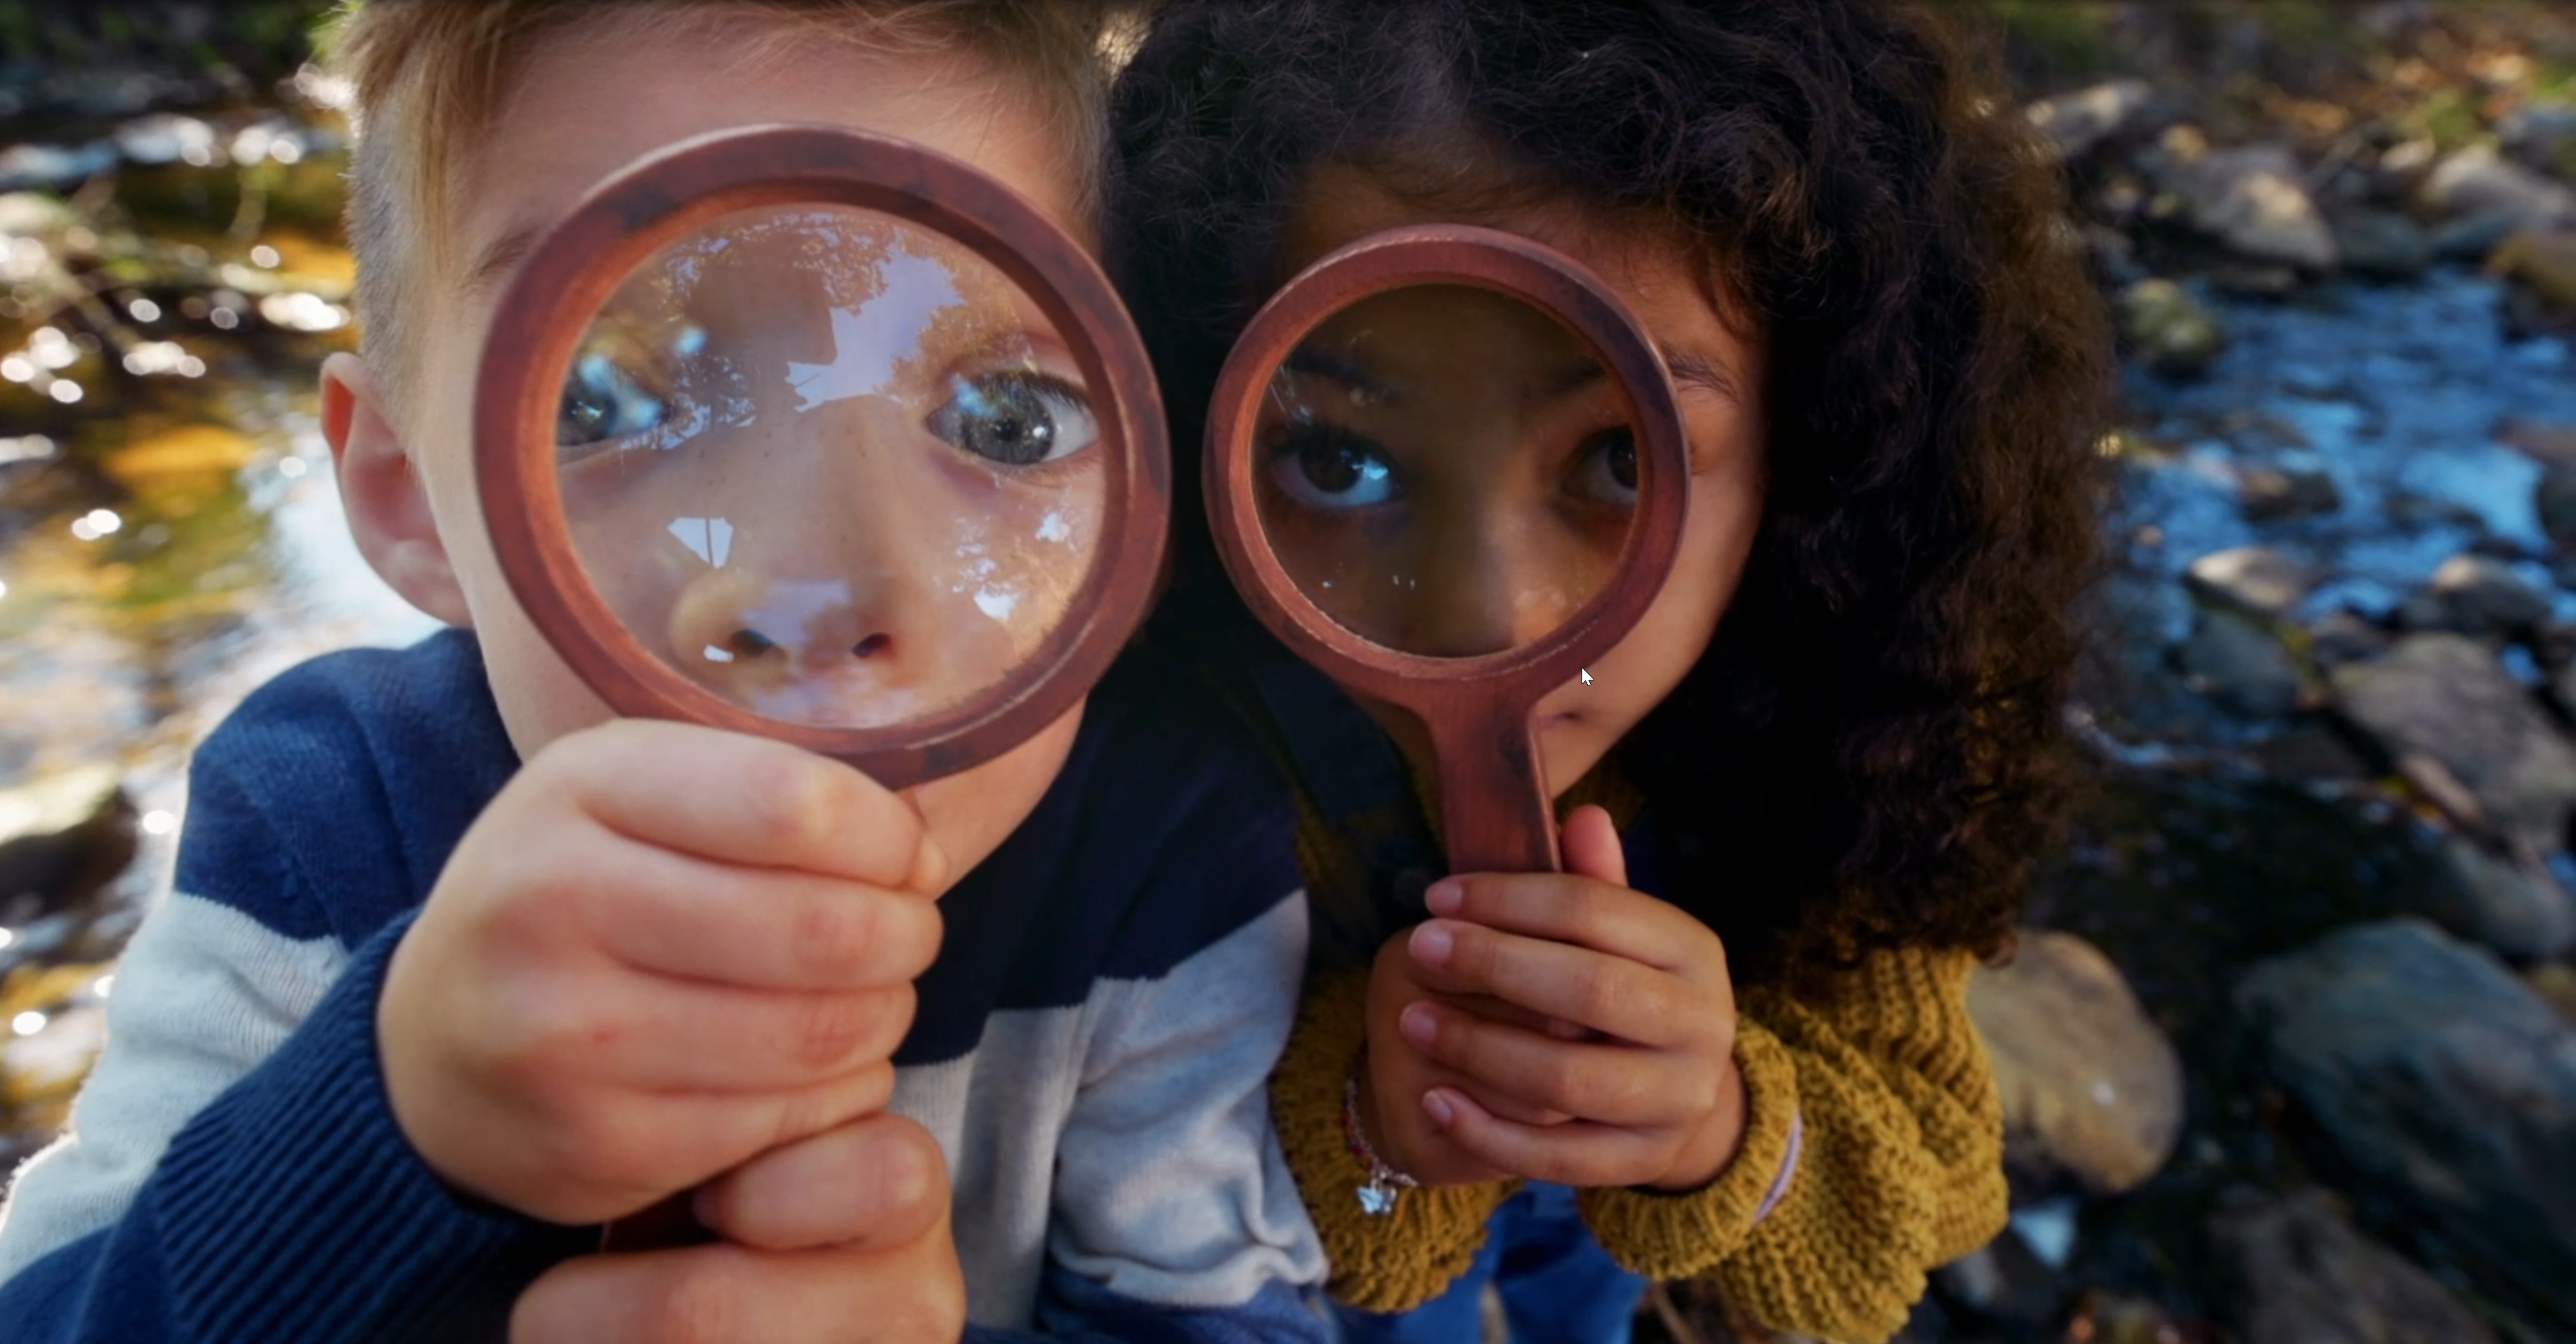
(1090, 1047)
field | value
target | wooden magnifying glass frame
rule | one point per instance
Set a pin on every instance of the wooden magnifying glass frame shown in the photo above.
(571, 273)
(1497, 811)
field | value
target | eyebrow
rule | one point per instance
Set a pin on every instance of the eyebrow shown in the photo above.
(1339, 368)
(1704, 373)
(496, 261)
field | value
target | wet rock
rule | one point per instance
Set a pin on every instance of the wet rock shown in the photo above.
(2543, 262)
(2341, 637)
(2092, 1091)
(2003, 1284)
(2477, 181)
(2554, 499)
(2514, 909)
(2475, 595)
(2249, 281)
(2382, 244)
(2447, 698)
(2240, 666)
(2255, 579)
(2542, 136)
(2556, 986)
(61, 840)
(2269, 494)
(2108, 1318)
(2172, 332)
(2547, 444)
(2253, 198)
(2292, 1271)
(2472, 237)
(2077, 122)
(2439, 1081)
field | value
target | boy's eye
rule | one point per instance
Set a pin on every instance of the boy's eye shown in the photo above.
(603, 402)
(1606, 473)
(1015, 419)
(1327, 468)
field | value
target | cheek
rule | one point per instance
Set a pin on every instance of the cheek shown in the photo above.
(1725, 511)
(969, 815)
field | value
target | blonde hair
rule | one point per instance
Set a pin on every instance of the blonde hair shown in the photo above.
(431, 75)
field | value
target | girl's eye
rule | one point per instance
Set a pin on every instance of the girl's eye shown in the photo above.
(1015, 419)
(602, 403)
(1322, 467)
(1607, 471)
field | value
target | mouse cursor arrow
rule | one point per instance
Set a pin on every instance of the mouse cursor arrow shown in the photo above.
(1587, 678)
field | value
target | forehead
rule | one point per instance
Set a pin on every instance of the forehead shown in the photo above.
(1662, 277)
(588, 101)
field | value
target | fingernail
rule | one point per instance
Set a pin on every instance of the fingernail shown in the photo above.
(1432, 944)
(1442, 1113)
(1417, 1024)
(1444, 896)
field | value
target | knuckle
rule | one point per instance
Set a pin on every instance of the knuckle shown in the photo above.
(698, 1304)
(787, 800)
(833, 935)
(1561, 1083)
(831, 1027)
(1599, 991)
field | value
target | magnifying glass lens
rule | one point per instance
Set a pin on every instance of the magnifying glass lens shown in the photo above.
(829, 465)
(1445, 470)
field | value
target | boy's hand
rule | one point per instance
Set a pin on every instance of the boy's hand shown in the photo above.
(841, 1238)
(661, 950)
(1629, 1034)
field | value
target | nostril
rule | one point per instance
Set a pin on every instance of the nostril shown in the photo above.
(749, 643)
(871, 646)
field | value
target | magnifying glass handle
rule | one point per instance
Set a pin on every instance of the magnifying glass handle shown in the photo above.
(1495, 809)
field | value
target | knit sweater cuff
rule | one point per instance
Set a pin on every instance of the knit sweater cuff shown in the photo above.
(294, 1208)
(1397, 1261)
(1675, 1236)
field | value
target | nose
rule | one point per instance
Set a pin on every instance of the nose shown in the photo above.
(1481, 585)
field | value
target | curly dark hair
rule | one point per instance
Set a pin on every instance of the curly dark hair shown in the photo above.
(1873, 748)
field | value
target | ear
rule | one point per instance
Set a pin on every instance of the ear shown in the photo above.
(388, 507)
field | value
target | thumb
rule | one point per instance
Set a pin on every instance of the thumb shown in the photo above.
(1592, 847)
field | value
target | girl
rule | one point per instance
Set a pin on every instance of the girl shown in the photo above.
(1831, 746)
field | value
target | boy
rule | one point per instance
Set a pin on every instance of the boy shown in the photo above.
(418, 1011)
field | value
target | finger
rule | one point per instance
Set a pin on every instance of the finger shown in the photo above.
(1580, 1154)
(1607, 1084)
(662, 1035)
(877, 1181)
(1592, 847)
(770, 930)
(738, 799)
(1582, 911)
(1601, 991)
(647, 1148)
(726, 1294)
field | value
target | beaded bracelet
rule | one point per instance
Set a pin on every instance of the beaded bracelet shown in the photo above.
(1376, 1194)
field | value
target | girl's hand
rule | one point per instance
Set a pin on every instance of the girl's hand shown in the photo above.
(1630, 1030)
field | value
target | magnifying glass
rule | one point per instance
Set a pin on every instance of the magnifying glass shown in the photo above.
(825, 437)
(1445, 466)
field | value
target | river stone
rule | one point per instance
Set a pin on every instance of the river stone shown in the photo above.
(2382, 244)
(62, 839)
(2478, 181)
(2554, 499)
(2556, 986)
(2173, 332)
(2292, 1271)
(2254, 199)
(2476, 595)
(2078, 121)
(2092, 1091)
(2240, 666)
(2341, 637)
(2518, 912)
(2268, 494)
(2438, 1081)
(2255, 579)
(2446, 697)
(2542, 261)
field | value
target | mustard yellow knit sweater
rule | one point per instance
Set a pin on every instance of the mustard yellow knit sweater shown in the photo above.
(1900, 1166)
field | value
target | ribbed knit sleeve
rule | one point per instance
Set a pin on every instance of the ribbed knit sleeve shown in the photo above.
(1390, 1263)
(1900, 1163)
(291, 1208)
